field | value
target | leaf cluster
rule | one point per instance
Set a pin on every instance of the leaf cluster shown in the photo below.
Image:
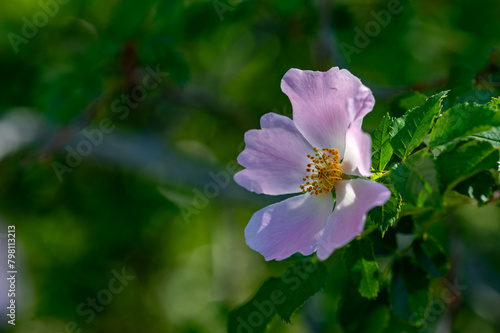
(433, 160)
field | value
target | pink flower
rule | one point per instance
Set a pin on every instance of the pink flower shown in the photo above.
(314, 153)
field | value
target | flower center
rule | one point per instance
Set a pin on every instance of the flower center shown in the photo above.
(323, 172)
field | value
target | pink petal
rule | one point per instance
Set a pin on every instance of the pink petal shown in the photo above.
(357, 158)
(361, 104)
(290, 226)
(326, 103)
(275, 157)
(354, 199)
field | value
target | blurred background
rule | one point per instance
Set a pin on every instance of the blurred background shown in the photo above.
(120, 124)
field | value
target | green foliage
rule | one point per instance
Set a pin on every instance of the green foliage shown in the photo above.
(380, 144)
(363, 269)
(417, 180)
(258, 312)
(479, 187)
(410, 293)
(359, 315)
(409, 130)
(299, 283)
(430, 257)
(134, 16)
(463, 120)
(464, 160)
(282, 296)
(492, 136)
(495, 103)
(406, 101)
(386, 215)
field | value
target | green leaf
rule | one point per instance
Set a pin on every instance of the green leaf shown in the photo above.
(410, 130)
(299, 283)
(479, 187)
(380, 144)
(279, 295)
(464, 160)
(386, 215)
(410, 292)
(495, 103)
(257, 313)
(463, 120)
(406, 101)
(430, 256)
(360, 262)
(492, 136)
(416, 180)
(360, 315)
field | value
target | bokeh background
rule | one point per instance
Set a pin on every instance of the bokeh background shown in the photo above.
(136, 202)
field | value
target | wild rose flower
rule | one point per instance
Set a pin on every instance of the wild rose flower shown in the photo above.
(315, 153)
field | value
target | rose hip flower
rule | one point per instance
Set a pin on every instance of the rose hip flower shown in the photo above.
(315, 153)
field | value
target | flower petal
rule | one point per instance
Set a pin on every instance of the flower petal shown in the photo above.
(290, 226)
(275, 157)
(358, 157)
(362, 103)
(354, 199)
(326, 103)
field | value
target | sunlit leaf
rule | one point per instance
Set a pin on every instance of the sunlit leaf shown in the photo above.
(386, 215)
(406, 101)
(478, 187)
(463, 120)
(416, 180)
(410, 130)
(380, 144)
(465, 160)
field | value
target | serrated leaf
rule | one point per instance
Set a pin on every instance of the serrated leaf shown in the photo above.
(299, 283)
(478, 187)
(463, 120)
(416, 180)
(410, 130)
(360, 315)
(410, 292)
(406, 101)
(279, 295)
(380, 144)
(495, 103)
(362, 266)
(492, 136)
(464, 160)
(258, 312)
(386, 215)
(430, 257)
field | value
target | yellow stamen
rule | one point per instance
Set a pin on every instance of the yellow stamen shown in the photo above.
(323, 172)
